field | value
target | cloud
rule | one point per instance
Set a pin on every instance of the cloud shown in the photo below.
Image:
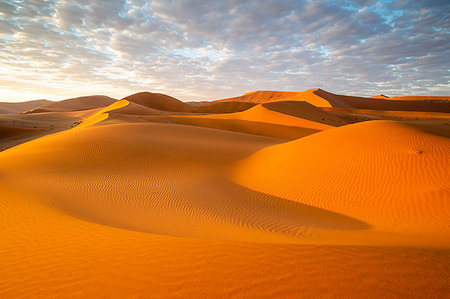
(198, 50)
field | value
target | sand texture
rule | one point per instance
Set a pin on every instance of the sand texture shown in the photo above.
(266, 197)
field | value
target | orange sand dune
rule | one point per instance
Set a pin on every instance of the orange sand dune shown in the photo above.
(392, 176)
(75, 104)
(164, 102)
(380, 96)
(19, 107)
(286, 120)
(322, 98)
(164, 176)
(158, 101)
(421, 98)
(273, 96)
(342, 101)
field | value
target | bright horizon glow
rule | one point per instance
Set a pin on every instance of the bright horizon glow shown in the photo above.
(197, 50)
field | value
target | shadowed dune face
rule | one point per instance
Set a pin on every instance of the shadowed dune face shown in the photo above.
(341, 101)
(286, 120)
(393, 176)
(304, 110)
(164, 102)
(274, 96)
(421, 98)
(221, 107)
(322, 98)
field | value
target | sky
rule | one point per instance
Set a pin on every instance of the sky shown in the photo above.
(205, 50)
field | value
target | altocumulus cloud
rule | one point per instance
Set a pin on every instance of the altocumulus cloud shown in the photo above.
(198, 50)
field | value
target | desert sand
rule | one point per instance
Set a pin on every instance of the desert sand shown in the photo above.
(270, 194)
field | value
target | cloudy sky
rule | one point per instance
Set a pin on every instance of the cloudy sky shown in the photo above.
(201, 50)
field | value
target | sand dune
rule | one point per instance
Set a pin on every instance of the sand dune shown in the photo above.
(421, 98)
(164, 176)
(164, 102)
(390, 175)
(19, 107)
(322, 98)
(75, 104)
(286, 120)
(158, 101)
(152, 197)
(342, 101)
(380, 96)
(264, 96)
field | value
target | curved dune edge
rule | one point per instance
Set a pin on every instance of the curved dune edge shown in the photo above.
(170, 180)
(102, 114)
(392, 176)
(173, 180)
(265, 96)
(270, 119)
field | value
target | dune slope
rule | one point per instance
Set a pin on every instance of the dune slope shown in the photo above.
(167, 177)
(285, 119)
(390, 175)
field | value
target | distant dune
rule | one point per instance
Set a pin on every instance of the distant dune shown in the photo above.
(158, 101)
(19, 107)
(380, 96)
(341, 101)
(322, 98)
(421, 98)
(167, 103)
(273, 96)
(75, 104)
